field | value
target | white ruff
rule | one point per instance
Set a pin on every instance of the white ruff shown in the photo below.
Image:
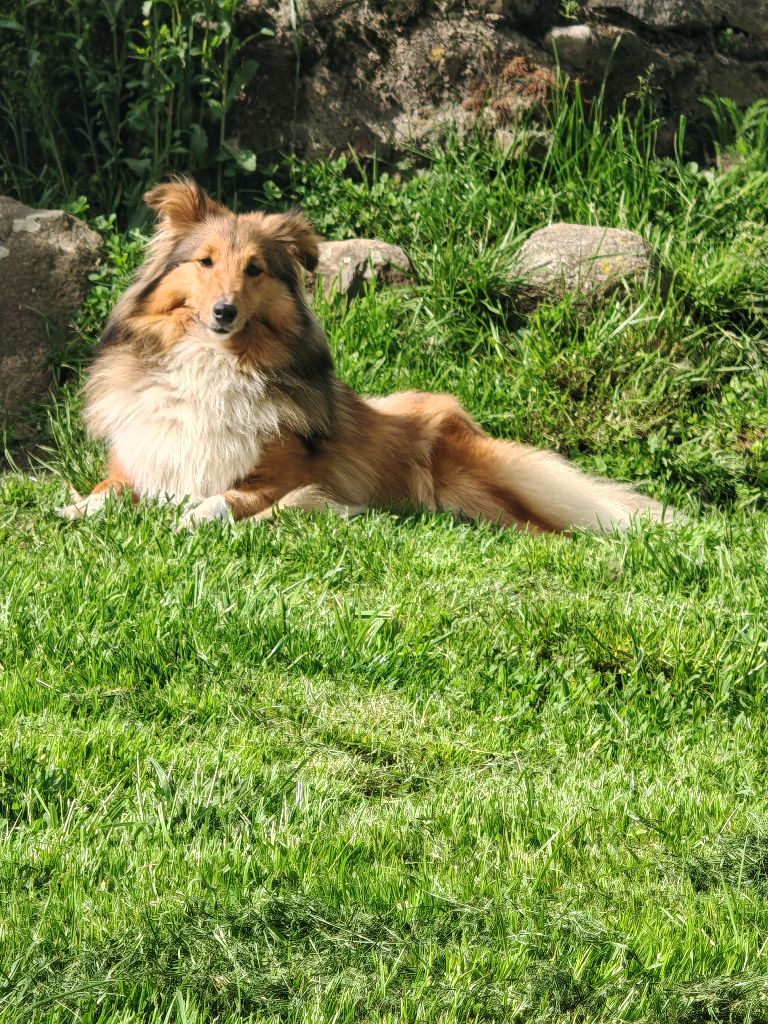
(188, 428)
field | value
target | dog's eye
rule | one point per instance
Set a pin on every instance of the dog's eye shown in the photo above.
(252, 270)
(206, 261)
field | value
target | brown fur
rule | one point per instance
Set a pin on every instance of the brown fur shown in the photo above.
(253, 418)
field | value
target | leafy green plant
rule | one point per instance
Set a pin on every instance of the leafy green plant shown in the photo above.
(741, 134)
(570, 10)
(103, 98)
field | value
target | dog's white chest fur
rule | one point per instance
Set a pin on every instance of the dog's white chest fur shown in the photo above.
(189, 428)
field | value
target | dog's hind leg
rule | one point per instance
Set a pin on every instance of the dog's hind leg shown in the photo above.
(312, 499)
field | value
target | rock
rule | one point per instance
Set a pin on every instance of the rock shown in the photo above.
(385, 76)
(391, 76)
(674, 15)
(593, 261)
(659, 14)
(617, 53)
(347, 266)
(686, 49)
(45, 259)
(585, 47)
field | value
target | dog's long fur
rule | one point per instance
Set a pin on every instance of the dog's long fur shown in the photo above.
(242, 416)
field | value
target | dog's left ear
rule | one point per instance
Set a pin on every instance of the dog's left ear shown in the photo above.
(301, 238)
(181, 203)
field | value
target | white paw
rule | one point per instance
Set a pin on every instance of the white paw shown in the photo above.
(215, 508)
(348, 511)
(89, 506)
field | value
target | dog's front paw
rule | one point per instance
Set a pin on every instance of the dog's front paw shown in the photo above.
(89, 506)
(215, 508)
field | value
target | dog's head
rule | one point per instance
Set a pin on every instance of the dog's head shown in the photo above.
(231, 282)
(228, 270)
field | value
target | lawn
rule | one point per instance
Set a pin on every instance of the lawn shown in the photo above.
(402, 768)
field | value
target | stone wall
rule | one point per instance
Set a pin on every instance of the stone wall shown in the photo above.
(383, 74)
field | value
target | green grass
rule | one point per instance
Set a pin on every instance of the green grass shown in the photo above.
(401, 768)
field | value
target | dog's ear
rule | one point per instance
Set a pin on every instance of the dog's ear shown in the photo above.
(301, 238)
(182, 203)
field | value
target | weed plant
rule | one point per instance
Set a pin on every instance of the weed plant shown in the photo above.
(403, 768)
(100, 99)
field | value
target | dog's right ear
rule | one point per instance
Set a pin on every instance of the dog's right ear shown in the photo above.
(302, 239)
(182, 203)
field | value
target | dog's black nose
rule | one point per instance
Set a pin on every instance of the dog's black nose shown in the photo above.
(225, 313)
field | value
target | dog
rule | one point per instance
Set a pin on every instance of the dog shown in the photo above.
(213, 386)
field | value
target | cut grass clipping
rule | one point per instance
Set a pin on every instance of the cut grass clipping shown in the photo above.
(403, 769)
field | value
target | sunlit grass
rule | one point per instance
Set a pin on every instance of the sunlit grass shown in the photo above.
(402, 768)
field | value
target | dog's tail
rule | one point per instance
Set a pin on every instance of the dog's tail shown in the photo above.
(518, 485)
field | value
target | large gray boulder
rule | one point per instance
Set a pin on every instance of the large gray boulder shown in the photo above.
(45, 259)
(577, 258)
(347, 266)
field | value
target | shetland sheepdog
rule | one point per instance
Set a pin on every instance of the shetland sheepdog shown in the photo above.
(214, 386)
